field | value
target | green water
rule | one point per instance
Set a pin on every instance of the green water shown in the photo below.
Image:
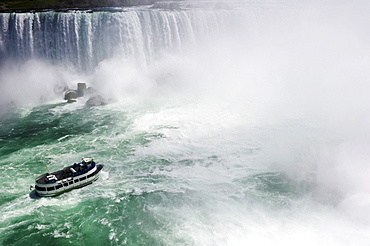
(169, 178)
(141, 198)
(43, 137)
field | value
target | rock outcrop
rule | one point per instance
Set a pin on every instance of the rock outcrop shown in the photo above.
(82, 90)
(70, 95)
(96, 100)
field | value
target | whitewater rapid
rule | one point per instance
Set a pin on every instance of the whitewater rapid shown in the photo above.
(241, 124)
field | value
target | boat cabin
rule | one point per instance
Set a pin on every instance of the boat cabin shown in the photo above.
(75, 170)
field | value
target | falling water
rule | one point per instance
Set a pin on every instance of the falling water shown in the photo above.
(228, 123)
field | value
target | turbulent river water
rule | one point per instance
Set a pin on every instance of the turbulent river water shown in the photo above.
(228, 123)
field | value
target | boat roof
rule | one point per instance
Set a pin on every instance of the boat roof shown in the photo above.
(73, 170)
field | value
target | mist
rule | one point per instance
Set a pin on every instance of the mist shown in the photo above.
(270, 88)
(299, 70)
(271, 63)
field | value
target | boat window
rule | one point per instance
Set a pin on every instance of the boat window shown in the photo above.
(58, 186)
(50, 188)
(70, 182)
(77, 180)
(40, 188)
(83, 178)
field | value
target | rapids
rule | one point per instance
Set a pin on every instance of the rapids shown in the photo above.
(229, 123)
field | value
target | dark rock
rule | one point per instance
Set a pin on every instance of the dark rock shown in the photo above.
(81, 89)
(70, 94)
(96, 101)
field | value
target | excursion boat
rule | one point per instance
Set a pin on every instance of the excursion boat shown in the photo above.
(71, 177)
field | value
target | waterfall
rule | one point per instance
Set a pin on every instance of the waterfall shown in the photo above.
(83, 39)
